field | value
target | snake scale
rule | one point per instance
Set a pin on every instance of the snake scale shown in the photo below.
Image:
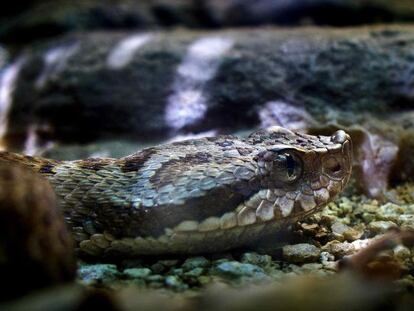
(195, 196)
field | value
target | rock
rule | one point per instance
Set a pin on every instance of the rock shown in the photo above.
(235, 269)
(390, 212)
(175, 283)
(135, 273)
(84, 94)
(339, 249)
(342, 231)
(402, 252)
(381, 226)
(257, 259)
(98, 273)
(407, 222)
(195, 262)
(196, 272)
(157, 268)
(301, 253)
(36, 248)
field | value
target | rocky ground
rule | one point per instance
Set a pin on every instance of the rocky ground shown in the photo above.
(351, 223)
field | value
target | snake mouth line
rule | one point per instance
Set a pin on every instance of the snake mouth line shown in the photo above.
(232, 229)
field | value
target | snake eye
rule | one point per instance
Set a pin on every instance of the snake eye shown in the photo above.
(288, 166)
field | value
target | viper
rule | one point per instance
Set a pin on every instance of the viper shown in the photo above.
(195, 196)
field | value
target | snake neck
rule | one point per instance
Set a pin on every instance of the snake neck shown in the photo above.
(35, 164)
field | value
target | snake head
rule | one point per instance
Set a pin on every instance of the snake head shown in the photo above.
(304, 172)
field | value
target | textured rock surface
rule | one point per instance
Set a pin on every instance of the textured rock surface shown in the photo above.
(160, 84)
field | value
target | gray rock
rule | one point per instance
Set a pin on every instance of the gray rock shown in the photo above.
(195, 262)
(300, 253)
(135, 273)
(379, 227)
(175, 282)
(256, 259)
(85, 95)
(196, 272)
(103, 273)
(235, 269)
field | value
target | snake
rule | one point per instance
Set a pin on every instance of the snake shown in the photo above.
(194, 196)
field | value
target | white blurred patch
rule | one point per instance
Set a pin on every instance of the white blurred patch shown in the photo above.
(284, 115)
(122, 54)
(188, 103)
(8, 79)
(211, 133)
(55, 60)
(33, 144)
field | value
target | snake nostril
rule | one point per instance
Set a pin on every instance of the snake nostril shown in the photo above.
(337, 168)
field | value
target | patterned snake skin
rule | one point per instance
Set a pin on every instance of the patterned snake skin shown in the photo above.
(196, 196)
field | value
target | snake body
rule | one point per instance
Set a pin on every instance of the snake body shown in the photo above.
(195, 196)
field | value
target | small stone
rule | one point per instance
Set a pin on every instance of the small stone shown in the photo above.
(177, 271)
(342, 232)
(339, 249)
(157, 268)
(235, 269)
(407, 222)
(136, 273)
(204, 279)
(381, 226)
(194, 272)
(325, 257)
(300, 253)
(104, 273)
(402, 252)
(338, 229)
(257, 259)
(390, 211)
(195, 262)
(175, 282)
(311, 267)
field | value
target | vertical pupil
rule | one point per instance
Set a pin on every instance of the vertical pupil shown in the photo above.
(290, 165)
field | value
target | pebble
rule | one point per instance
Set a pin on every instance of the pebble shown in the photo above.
(301, 253)
(402, 252)
(90, 274)
(381, 226)
(195, 272)
(342, 232)
(175, 283)
(135, 273)
(257, 259)
(339, 249)
(390, 211)
(235, 269)
(195, 262)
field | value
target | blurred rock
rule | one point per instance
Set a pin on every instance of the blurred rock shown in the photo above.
(300, 253)
(152, 86)
(36, 249)
(32, 20)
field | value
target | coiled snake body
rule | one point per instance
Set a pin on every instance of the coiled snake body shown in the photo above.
(195, 196)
